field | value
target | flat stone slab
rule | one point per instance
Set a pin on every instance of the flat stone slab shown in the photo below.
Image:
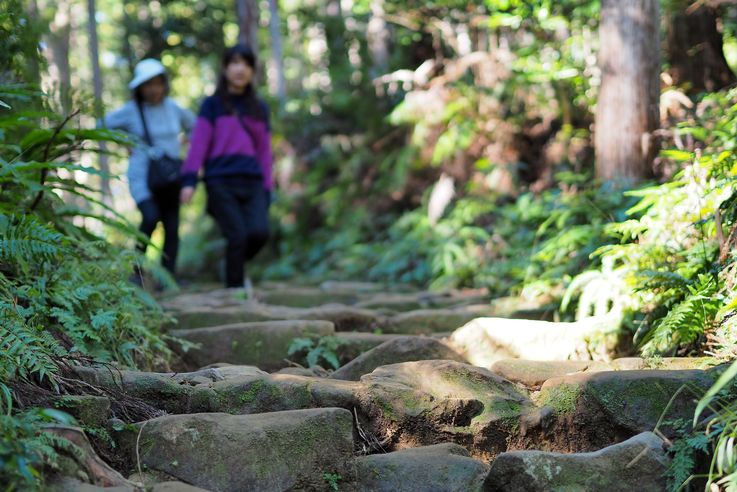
(240, 453)
(399, 349)
(271, 393)
(400, 302)
(345, 318)
(305, 297)
(429, 321)
(442, 467)
(230, 389)
(484, 341)
(533, 373)
(636, 464)
(662, 363)
(429, 402)
(262, 344)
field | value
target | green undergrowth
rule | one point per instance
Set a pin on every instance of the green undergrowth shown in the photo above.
(65, 295)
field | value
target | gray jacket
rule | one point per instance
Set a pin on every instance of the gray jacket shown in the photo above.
(165, 121)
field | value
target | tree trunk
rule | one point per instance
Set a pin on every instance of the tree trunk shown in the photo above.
(59, 39)
(278, 82)
(377, 36)
(97, 88)
(694, 49)
(627, 110)
(247, 11)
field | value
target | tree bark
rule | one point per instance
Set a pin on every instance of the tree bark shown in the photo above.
(247, 12)
(278, 82)
(627, 110)
(97, 88)
(695, 51)
(59, 39)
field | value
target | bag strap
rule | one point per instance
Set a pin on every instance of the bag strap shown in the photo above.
(239, 117)
(146, 135)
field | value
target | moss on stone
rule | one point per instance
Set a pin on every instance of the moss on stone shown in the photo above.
(561, 398)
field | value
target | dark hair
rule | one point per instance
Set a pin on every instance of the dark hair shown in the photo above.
(245, 52)
(138, 95)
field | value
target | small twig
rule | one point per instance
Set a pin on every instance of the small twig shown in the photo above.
(47, 149)
(637, 458)
(138, 456)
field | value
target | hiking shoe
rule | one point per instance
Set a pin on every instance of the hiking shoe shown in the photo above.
(248, 288)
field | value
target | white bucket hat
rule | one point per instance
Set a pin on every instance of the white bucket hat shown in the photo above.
(146, 70)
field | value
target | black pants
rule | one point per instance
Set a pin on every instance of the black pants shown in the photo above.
(239, 206)
(163, 206)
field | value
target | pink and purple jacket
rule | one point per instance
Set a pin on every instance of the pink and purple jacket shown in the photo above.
(225, 148)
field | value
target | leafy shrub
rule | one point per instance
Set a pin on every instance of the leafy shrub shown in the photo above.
(65, 297)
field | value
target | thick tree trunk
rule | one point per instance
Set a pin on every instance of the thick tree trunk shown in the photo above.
(278, 82)
(694, 49)
(247, 11)
(97, 88)
(627, 110)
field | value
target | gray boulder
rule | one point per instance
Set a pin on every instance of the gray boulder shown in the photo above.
(441, 468)
(264, 452)
(430, 402)
(636, 464)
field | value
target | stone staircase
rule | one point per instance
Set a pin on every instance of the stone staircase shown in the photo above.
(436, 392)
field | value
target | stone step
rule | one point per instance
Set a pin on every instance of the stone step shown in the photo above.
(636, 464)
(399, 349)
(533, 373)
(441, 467)
(262, 344)
(292, 450)
(587, 411)
(430, 402)
(345, 318)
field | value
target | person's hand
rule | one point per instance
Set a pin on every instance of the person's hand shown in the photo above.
(185, 196)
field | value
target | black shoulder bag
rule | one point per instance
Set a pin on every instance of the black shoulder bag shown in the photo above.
(163, 172)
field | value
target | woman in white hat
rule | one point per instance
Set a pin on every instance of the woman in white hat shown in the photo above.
(158, 123)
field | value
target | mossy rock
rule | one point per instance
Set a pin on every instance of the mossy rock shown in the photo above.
(271, 393)
(636, 464)
(89, 410)
(446, 467)
(593, 410)
(160, 390)
(241, 453)
(264, 344)
(399, 349)
(428, 402)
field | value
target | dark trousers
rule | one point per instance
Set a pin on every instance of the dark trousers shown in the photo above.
(239, 206)
(163, 206)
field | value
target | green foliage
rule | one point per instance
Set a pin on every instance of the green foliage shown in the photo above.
(25, 450)
(685, 452)
(313, 351)
(705, 447)
(332, 479)
(64, 290)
